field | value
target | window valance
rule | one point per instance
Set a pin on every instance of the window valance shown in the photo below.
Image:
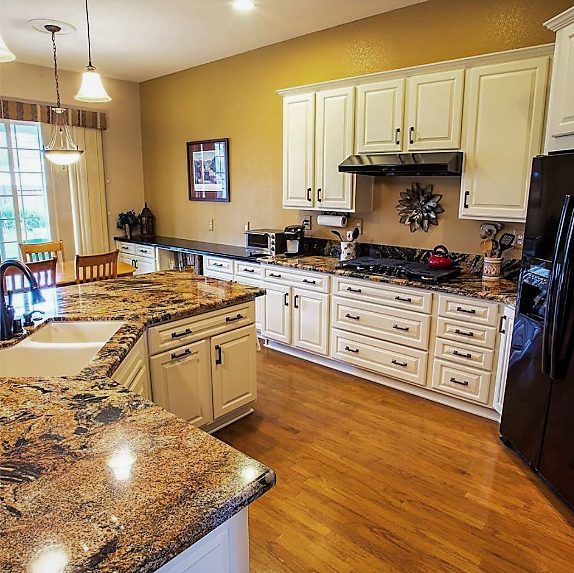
(28, 111)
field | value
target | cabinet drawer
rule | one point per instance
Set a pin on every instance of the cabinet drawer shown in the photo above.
(467, 309)
(394, 325)
(176, 333)
(311, 281)
(406, 364)
(473, 334)
(126, 248)
(146, 252)
(464, 354)
(390, 295)
(218, 265)
(461, 382)
(248, 270)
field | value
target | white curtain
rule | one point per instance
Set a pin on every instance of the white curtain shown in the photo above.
(77, 195)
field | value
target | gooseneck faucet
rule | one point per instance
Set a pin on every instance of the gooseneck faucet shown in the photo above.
(6, 309)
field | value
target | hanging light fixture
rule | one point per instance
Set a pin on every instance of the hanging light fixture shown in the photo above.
(61, 148)
(92, 90)
(5, 54)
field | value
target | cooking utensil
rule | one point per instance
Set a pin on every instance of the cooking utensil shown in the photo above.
(506, 242)
(489, 230)
(338, 235)
(440, 258)
(355, 233)
(487, 246)
(349, 236)
(494, 248)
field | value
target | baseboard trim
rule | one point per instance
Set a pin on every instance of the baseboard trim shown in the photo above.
(227, 420)
(469, 407)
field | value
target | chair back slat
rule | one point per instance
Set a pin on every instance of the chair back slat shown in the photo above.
(91, 268)
(32, 252)
(43, 271)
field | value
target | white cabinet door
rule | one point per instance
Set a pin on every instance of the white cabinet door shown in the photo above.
(181, 382)
(133, 372)
(144, 265)
(504, 115)
(433, 117)
(504, 351)
(379, 116)
(311, 321)
(233, 370)
(126, 258)
(334, 135)
(298, 150)
(277, 316)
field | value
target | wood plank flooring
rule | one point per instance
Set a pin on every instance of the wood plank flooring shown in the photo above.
(370, 479)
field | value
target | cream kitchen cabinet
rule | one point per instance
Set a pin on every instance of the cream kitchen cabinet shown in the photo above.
(233, 370)
(502, 131)
(133, 372)
(142, 257)
(420, 113)
(560, 122)
(310, 321)
(505, 351)
(277, 319)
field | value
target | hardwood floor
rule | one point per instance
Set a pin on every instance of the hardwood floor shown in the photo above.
(370, 479)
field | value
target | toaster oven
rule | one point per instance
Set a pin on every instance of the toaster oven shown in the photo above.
(265, 242)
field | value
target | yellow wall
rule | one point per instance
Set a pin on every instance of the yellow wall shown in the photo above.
(236, 98)
(122, 139)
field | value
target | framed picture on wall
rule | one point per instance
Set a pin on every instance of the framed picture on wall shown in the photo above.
(208, 170)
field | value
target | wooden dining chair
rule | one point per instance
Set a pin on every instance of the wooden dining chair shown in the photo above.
(43, 271)
(91, 268)
(41, 251)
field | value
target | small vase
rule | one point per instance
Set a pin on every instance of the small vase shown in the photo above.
(130, 231)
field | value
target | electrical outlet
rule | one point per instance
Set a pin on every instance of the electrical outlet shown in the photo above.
(210, 225)
(519, 239)
(359, 224)
(246, 226)
(308, 223)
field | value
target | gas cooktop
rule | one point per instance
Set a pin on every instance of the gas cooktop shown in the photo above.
(398, 268)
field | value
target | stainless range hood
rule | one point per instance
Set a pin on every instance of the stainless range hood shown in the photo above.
(443, 164)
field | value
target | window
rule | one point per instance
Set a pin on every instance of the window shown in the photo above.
(24, 215)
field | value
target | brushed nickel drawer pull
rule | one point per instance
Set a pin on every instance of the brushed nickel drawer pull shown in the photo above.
(180, 334)
(402, 299)
(352, 317)
(402, 328)
(461, 382)
(234, 318)
(351, 289)
(457, 353)
(463, 333)
(275, 275)
(401, 364)
(309, 282)
(466, 310)
(175, 355)
(355, 350)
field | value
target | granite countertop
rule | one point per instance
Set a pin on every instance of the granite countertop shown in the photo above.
(189, 246)
(96, 476)
(465, 284)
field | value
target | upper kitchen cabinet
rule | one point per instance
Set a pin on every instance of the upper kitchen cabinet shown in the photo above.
(433, 116)
(502, 131)
(560, 124)
(380, 109)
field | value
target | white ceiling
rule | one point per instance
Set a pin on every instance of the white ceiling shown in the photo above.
(142, 39)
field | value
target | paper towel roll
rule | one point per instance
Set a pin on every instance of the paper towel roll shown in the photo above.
(332, 220)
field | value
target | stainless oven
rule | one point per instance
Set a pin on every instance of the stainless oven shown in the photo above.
(265, 242)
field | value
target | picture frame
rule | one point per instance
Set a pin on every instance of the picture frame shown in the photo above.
(208, 170)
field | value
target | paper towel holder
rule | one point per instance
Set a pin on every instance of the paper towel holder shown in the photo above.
(333, 219)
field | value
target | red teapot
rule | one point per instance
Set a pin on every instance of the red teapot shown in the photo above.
(440, 258)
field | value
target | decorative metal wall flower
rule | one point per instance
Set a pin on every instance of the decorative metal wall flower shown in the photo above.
(418, 208)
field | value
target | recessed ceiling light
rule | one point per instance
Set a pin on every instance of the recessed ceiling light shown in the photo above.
(244, 5)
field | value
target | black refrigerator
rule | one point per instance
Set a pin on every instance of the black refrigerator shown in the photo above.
(538, 415)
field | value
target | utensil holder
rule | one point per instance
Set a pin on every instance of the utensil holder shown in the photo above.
(348, 250)
(491, 268)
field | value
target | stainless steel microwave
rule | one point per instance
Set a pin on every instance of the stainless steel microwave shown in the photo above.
(265, 242)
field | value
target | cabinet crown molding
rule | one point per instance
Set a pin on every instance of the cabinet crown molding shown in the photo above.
(471, 61)
(561, 20)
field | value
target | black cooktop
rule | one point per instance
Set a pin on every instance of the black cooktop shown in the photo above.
(398, 268)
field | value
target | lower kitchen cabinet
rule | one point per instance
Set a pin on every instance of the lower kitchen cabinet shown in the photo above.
(233, 370)
(181, 382)
(133, 372)
(310, 321)
(142, 257)
(277, 318)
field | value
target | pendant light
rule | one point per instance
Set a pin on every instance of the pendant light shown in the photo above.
(92, 90)
(5, 54)
(61, 148)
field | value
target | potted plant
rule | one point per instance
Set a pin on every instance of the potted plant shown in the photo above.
(127, 222)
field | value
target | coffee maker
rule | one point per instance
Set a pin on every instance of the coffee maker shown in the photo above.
(294, 239)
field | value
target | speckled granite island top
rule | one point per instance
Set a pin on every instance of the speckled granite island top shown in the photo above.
(465, 284)
(95, 475)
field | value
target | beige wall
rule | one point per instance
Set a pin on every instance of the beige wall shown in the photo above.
(122, 139)
(236, 98)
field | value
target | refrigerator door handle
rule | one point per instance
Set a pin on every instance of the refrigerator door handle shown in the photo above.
(557, 264)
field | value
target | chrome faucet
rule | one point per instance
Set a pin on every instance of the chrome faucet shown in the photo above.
(6, 309)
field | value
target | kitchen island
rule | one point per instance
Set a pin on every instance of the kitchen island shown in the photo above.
(94, 476)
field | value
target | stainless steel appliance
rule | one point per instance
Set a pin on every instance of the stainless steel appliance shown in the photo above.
(265, 242)
(294, 238)
(537, 419)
